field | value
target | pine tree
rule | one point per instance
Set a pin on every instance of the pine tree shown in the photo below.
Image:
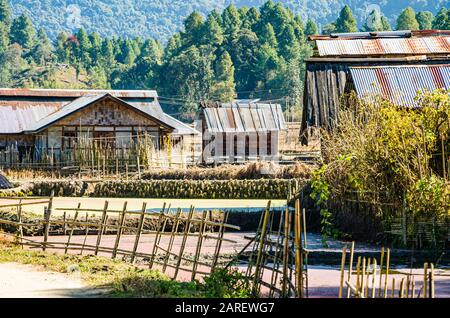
(212, 33)
(224, 89)
(22, 32)
(96, 46)
(425, 20)
(311, 28)
(346, 22)
(5, 13)
(61, 49)
(386, 24)
(407, 20)
(42, 52)
(442, 20)
(83, 49)
(4, 37)
(107, 59)
(231, 21)
(192, 29)
(268, 37)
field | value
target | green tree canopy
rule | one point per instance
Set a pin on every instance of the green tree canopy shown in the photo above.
(23, 32)
(407, 20)
(346, 22)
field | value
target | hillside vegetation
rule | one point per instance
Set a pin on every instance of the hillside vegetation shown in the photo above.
(161, 18)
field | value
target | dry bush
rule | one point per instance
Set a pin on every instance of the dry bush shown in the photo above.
(390, 156)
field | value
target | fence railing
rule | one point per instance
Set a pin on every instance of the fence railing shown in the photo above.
(170, 240)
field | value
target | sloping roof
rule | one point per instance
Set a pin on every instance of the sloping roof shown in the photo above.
(360, 44)
(234, 117)
(371, 47)
(4, 183)
(75, 93)
(399, 84)
(30, 110)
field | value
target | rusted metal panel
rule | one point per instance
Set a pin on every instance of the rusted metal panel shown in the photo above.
(25, 92)
(384, 46)
(244, 118)
(399, 84)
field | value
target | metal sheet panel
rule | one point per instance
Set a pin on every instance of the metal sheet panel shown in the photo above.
(399, 84)
(384, 46)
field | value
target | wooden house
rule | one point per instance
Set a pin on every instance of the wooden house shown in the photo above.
(393, 65)
(38, 125)
(239, 132)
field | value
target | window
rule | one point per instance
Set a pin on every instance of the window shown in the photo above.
(69, 139)
(235, 144)
(269, 143)
(224, 144)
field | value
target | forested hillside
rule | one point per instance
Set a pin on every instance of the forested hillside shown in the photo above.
(255, 52)
(161, 18)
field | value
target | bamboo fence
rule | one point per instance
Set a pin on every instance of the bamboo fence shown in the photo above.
(276, 257)
(73, 232)
(370, 278)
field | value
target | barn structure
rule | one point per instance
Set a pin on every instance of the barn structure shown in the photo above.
(393, 65)
(64, 127)
(240, 131)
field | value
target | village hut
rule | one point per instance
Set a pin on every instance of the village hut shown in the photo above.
(392, 65)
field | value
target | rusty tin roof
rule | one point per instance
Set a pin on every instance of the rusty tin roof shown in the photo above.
(399, 84)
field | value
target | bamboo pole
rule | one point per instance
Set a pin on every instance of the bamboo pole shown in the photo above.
(349, 276)
(425, 280)
(363, 275)
(374, 275)
(260, 249)
(358, 273)
(299, 250)
(139, 232)
(85, 235)
(155, 245)
(220, 238)
(381, 273)
(393, 288)
(72, 229)
(187, 228)
(401, 289)
(287, 218)
(19, 220)
(100, 230)
(172, 238)
(431, 287)
(341, 283)
(368, 277)
(386, 274)
(120, 229)
(199, 246)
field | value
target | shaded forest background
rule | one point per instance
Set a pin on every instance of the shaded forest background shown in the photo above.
(232, 52)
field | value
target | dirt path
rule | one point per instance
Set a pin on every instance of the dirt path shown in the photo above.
(26, 281)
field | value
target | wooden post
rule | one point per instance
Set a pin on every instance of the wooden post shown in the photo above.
(120, 229)
(220, 239)
(413, 288)
(139, 231)
(100, 229)
(367, 277)
(401, 289)
(341, 283)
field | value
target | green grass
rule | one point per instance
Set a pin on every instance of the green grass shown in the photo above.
(120, 279)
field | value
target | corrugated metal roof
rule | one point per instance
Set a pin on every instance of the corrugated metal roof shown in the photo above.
(384, 46)
(244, 117)
(30, 110)
(37, 92)
(399, 84)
